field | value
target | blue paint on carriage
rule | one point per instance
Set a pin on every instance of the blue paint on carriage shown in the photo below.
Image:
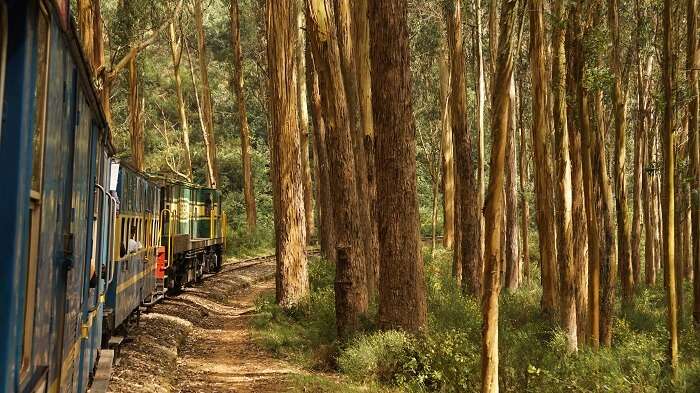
(62, 293)
(134, 274)
(15, 168)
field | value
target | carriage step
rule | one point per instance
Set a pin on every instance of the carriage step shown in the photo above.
(103, 373)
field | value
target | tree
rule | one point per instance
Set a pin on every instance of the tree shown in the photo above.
(346, 45)
(237, 82)
(108, 75)
(327, 229)
(360, 28)
(567, 270)
(512, 231)
(623, 225)
(465, 181)
(207, 110)
(667, 200)
(176, 53)
(448, 165)
(607, 242)
(524, 205)
(693, 65)
(304, 126)
(543, 168)
(86, 22)
(578, 207)
(351, 300)
(480, 107)
(402, 297)
(292, 283)
(493, 207)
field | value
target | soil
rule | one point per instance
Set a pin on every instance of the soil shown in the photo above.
(200, 340)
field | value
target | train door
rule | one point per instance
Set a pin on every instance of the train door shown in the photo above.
(88, 229)
(33, 376)
(78, 237)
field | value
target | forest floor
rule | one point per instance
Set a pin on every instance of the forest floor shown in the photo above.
(200, 340)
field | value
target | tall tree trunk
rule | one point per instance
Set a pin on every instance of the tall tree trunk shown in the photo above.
(362, 65)
(135, 127)
(465, 180)
(292, 282)
(639, 158)
(402, 297)
(608, 243)
(98, 54)
(693, 65)
(567, 270)
(327, 229)
(86, 23)
(543, 166)
(343, 20)
(176, 52)
(512, 232)
(493, 209)
(623, 225)
(591, 191)
(448, 166)
(480, 108)
(524, 205)
(304, 127)
(351, 298)
(578, 208)
(246, 160)
(207, 111)
(668, 189)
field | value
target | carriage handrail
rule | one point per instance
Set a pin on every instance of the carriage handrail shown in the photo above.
(170, 233)
(113, 212)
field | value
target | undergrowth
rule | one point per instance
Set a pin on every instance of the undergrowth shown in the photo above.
(446, 356)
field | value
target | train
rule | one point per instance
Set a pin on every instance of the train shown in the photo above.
(86, 240)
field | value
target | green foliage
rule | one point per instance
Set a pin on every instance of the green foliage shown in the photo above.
(446, 357)
(306, 332)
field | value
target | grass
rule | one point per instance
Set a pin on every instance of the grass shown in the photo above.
(446, 357)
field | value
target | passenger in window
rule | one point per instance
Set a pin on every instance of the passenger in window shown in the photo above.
(133, 244)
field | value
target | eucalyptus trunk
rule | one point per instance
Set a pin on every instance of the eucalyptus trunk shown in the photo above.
(402, 293)
(292, 282)
(493, 209)
(246, 159)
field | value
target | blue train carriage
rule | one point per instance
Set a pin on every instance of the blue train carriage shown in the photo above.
(193, 232)
(54, 165)
(135, 247)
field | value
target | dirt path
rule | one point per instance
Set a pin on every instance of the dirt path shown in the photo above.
(200, 341)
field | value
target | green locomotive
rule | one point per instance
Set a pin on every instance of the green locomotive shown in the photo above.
(193, 232)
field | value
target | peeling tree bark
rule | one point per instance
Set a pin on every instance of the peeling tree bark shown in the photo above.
(292, 283)
(578, 213)
(448, 167)
(304, 128)
(567, 270)
(494, 201)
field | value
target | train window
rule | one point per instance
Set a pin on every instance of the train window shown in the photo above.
(43, 45)
(3, 54)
